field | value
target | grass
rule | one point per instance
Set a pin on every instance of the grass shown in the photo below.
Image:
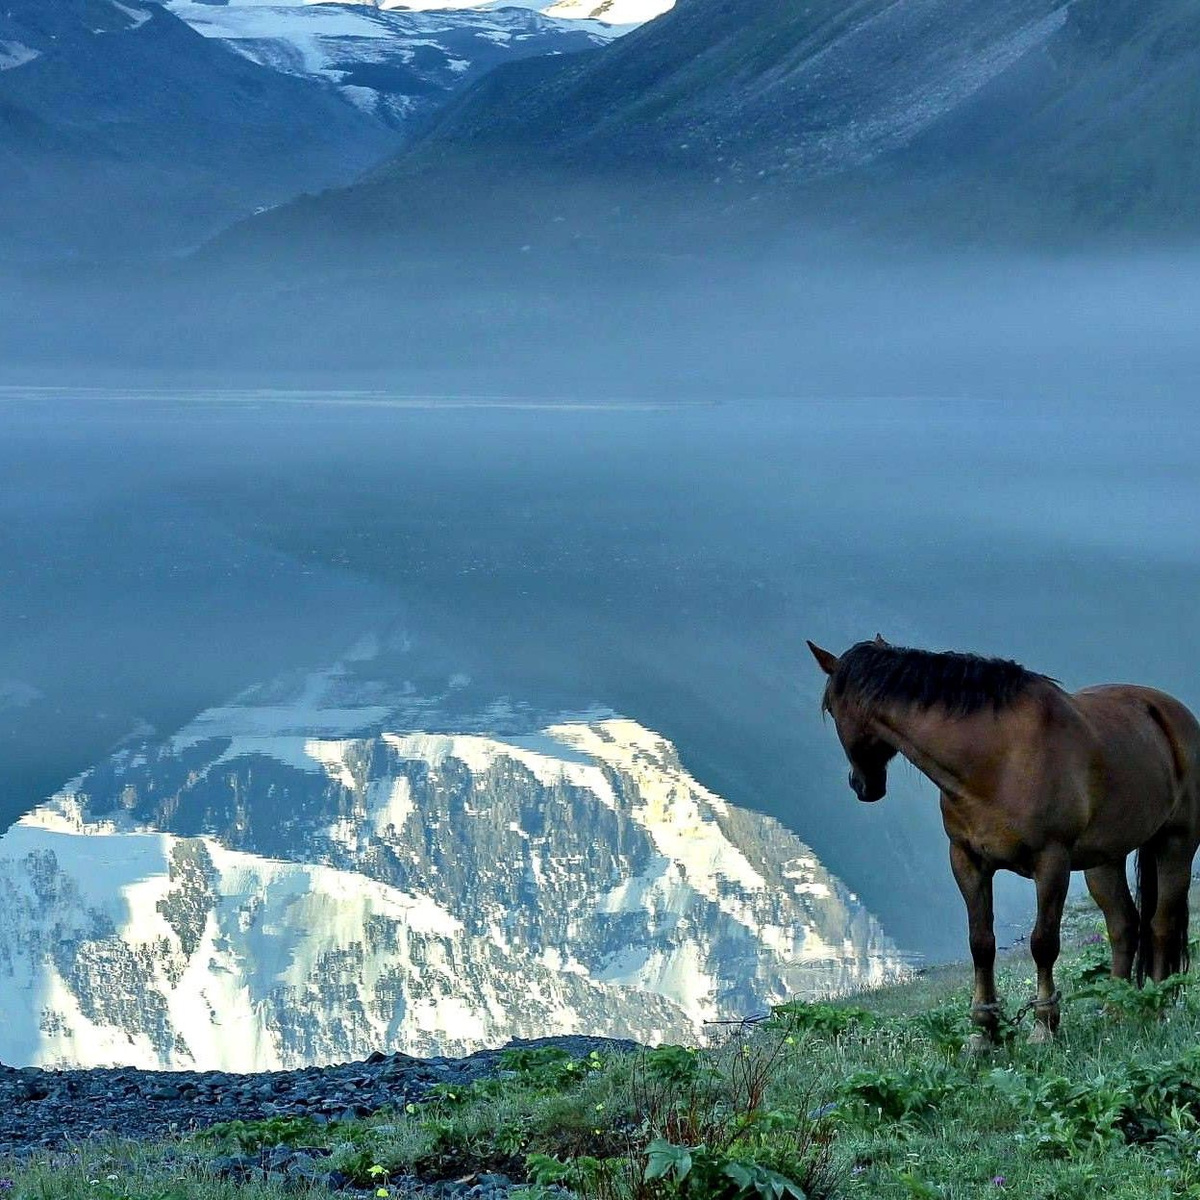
(866, 1098)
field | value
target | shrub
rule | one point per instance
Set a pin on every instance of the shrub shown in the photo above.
(898, 1095)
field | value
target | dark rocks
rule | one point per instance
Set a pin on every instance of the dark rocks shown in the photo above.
(40, 1109)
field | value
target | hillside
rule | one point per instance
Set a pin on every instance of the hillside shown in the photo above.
(123, 131)
(1027, 116)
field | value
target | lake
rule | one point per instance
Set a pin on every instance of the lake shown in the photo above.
(161, 551)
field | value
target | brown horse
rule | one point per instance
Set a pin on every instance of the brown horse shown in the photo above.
(1038, 781)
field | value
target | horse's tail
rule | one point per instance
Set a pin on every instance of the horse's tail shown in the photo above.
(1147, 902)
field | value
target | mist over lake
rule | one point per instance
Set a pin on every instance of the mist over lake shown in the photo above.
(164, 550)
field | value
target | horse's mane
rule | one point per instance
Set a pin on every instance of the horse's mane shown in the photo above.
(959, 683)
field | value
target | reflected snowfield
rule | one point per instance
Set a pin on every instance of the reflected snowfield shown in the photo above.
(296, 878)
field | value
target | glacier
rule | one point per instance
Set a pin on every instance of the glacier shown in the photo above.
(611, 12)
(395, 63)
(298, 878)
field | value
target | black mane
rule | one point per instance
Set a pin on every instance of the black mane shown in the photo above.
(960, 683)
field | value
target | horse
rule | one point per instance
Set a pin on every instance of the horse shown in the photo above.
(1040, 781)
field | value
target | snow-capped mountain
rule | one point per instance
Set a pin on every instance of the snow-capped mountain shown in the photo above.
(305, 880)
(391, 62)
(611, 12)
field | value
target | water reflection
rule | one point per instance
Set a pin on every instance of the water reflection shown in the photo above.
(301, 878)
(162, 550)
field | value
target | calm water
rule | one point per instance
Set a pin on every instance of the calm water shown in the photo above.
(161, 551)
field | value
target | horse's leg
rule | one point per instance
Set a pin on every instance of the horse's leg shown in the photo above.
(1169, 924)
(1110, 890)
(974, 879)
(1052, 874)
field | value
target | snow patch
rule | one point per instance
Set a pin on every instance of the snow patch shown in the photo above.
(14, 54)
(137, 16)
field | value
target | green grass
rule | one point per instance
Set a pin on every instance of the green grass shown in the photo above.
(866, 1098)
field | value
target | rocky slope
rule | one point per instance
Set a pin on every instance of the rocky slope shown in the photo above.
(41, 1109)
(728, 86)
(287, 884)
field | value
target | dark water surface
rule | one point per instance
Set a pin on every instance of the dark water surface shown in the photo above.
(160, 551)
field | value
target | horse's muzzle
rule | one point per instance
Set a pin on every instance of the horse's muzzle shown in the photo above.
(868, 792)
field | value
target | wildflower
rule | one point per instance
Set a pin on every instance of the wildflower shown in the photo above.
(381, 1191)
(999, 1181)
(6, 1185)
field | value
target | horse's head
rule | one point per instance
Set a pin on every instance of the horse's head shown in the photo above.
(867, 753)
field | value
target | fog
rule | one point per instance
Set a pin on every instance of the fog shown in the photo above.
(633, 481)
(648, 309)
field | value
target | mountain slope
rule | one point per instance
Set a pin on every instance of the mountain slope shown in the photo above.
(775, 85)
(1077, 116)
(1102, 125)
(122, 129)
(255, 893)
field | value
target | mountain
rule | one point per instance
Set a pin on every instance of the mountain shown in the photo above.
(613, 12)
(396, 65)
(737, 88)
(1021, 116)
(288, 881)
(624, 13)
(121, 129)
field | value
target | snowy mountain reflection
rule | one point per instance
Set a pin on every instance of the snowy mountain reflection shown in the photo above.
(292, 880)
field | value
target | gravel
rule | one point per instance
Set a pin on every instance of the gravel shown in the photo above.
(44, 1110)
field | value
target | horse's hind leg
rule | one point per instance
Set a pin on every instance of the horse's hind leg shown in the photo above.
(1169, 923)
(974, 879)
(1052, 874)
(1110, 890)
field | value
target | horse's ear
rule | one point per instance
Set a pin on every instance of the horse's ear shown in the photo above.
(826, 661)
(879, 640)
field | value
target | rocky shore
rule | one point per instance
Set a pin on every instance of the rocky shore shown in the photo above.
(46, 1110)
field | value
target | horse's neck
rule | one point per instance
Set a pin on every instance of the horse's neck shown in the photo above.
(934, 745)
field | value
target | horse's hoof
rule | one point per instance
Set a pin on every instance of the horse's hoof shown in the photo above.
(1040, 1035)
(978, 1043)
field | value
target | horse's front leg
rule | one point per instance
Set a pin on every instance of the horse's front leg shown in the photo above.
(974, 879)
(1052, 874)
